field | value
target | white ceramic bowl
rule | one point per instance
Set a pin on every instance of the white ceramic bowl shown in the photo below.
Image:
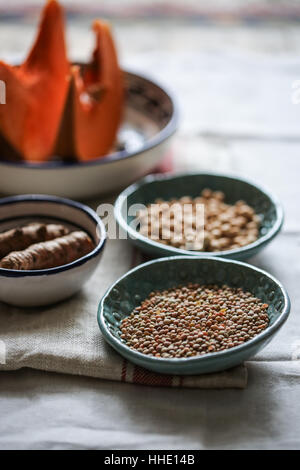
(149, 122)
(47, 286)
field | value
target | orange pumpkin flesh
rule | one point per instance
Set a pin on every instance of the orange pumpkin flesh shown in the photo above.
(94, 106)
(36, 91)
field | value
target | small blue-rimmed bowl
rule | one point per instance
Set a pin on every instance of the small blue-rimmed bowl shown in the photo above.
(131, 289)
(166, 187)
(46, 286)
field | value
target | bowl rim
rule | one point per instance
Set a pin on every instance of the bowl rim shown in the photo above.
(38, 198)
(172, 251)
(269, 331)
(169, 129)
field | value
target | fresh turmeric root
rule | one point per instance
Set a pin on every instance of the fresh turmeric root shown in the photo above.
(50, 254)
(22, 237)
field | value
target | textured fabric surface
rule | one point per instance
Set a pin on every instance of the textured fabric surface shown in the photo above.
(42, 410)
(66, 338)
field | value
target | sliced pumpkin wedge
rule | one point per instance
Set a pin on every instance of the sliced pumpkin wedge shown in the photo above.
(36, 91)
(94, 105)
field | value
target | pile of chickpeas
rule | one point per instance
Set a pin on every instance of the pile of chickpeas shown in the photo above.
(224, 226)
(193, 320)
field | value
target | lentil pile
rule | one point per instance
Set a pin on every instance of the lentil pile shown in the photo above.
(226, 226)
(194, 320)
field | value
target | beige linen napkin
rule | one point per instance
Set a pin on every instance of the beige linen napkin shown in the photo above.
(66, 338)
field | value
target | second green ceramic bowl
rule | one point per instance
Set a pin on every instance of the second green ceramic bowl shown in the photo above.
(131, 289)
(166, 187)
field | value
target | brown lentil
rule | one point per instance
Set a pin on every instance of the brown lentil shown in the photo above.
(194, 320)
(226, 226)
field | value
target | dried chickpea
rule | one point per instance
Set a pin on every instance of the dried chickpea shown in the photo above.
(226, 226)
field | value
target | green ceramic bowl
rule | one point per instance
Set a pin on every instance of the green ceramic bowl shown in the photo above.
(129, 291)
(166, 187)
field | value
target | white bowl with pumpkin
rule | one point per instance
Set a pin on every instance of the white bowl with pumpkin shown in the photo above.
(79, 130)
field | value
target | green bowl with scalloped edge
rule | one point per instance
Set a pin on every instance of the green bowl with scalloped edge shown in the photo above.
(132, 288)
(168, 186)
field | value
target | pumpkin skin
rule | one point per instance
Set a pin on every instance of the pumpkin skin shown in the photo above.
(36, 91)
(94, 105)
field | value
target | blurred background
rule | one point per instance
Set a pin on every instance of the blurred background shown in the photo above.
(233, 66)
